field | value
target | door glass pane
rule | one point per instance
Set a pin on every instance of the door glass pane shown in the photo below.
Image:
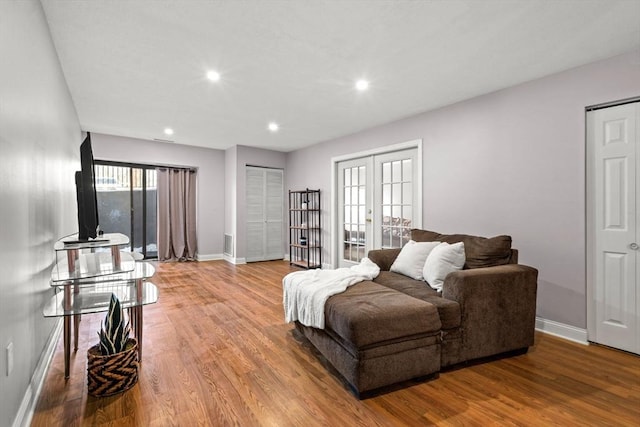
(407, 170)
(396, 194)
(407, 192)
(386, 194)
(114, 201)
(152, 213)
(397, 171)
(386, 172)
(127, 204)
(137, 198)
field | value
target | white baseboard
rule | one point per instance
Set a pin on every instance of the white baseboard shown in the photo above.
(209, 257)
(561, 330)
(31, 395)
(286, 257)
(236, 261)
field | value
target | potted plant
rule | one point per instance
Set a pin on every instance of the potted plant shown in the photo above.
(112, 364)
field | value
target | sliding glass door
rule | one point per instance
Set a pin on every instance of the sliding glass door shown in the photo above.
(127, 203)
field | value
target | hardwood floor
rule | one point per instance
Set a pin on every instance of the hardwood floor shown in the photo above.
(217, 352)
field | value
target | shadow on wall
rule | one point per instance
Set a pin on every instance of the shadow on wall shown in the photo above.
(565, 306)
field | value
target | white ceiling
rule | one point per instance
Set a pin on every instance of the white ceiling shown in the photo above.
(136, 67)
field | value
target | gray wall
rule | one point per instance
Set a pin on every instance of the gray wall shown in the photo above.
(39, 145)
(211, 177)
(510, 162)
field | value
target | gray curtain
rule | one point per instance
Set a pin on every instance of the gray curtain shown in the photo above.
(176, 214)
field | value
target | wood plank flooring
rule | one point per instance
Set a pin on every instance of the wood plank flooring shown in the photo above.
(217, 352)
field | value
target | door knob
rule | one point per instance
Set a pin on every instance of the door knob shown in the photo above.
(634, 246)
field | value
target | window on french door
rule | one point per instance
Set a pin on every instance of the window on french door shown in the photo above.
(397, 202)
(127, 203)
(355, 212)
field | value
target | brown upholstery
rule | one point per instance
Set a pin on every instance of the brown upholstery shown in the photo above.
(397, 328)
(479, 251)
(368, 313)
(449, 311)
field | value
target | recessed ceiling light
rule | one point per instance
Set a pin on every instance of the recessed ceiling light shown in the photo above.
(168, 131)
(362, 85)
(214, 76)
(273, 127)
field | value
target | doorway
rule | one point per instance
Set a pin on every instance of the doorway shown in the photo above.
(613, 226)
(378, 200)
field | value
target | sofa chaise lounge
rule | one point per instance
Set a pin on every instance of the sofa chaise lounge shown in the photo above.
(396, 328)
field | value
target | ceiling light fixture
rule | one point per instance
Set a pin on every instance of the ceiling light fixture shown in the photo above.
(273, 127)
(214, 76)
(362, 85)
(168, 131)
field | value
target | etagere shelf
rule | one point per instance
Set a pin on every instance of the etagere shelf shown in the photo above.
(305, 229)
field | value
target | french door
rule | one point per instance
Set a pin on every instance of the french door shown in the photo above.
(613, 141)
(379, 201)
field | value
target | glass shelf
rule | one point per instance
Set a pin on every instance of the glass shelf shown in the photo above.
(141, 270)
(92, 265)
(107, 239)
(96, 298)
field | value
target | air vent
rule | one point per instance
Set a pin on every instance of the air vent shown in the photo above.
(228, 244)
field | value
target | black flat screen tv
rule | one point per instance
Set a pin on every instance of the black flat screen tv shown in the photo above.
(86, 194)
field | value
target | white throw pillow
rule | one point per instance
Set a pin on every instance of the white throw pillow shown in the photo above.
(442, 260)
(411, 259)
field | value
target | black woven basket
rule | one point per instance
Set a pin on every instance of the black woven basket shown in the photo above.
(114, 373)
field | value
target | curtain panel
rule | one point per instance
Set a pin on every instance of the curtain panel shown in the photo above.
(177, 214)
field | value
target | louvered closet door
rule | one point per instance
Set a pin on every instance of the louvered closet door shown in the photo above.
(264, 214)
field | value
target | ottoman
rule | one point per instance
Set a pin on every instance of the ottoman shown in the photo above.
(375, 336)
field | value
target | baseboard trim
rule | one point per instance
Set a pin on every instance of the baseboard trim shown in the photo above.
(210, 257)
(562, 330)
(31, 395)
(235, 261)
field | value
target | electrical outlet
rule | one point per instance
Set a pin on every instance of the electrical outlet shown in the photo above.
(9, 358)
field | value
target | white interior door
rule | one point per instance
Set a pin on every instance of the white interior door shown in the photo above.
(397, 198)
(379, 201)
(264, 214)
(614, 140)
(354, 212)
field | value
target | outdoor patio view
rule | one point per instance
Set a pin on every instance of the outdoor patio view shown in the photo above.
(127, 204)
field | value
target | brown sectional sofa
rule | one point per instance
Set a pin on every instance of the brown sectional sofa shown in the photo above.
(395, 328)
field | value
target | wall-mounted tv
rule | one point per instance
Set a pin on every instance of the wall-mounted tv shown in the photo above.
(86, 194)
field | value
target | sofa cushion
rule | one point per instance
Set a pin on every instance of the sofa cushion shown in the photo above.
(411, 259)
(369, 314)
(443, 259)
(448, 310)
(479, 251)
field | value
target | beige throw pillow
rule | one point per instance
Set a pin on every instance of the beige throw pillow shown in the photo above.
(411, 259)
(442, 260)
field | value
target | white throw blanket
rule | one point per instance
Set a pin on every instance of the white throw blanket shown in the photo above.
(305, 292)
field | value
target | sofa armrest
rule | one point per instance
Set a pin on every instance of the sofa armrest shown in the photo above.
(384, 257)
(498, 308)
